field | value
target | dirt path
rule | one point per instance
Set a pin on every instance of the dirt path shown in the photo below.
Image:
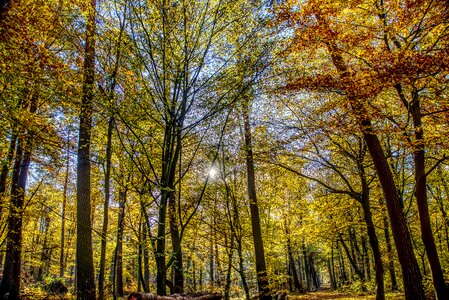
(329, 294)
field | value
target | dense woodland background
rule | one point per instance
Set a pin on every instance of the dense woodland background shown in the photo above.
(242, 147)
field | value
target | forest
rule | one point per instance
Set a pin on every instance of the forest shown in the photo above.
(224, 149)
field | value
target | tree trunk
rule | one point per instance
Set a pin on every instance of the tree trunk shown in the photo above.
(262, 280)
(107, 180)
(306, 266)
(410, 270)
(45, 254)
(352, 260)
(11, 272)
(374, 242)
(118, 261)
(178, 281)
(291, 261)
(242, 270)
(146, 267)
(63, 211)
(84, 256)
(227, 287)
(4, 173)
(441, 206)
(439, 283)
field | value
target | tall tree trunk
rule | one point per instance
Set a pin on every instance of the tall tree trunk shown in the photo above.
(5, 171)
(366, 258)
(439, 283)
(84, 256)
(291, 260)
(410, 270)
(178, 280)
(391, 269)
(227, 287)
(242, 270)
(341, 263)
(171, 152)
(118, 257)
(352, 260)
(441, 205)
(107, 193)
(63, 211)
(45, 254)
(140, 251)
(11, 272)
(146, 267)
(332, 268)
(3, 179)
(262, 280)
(306, 265)
(374, 242)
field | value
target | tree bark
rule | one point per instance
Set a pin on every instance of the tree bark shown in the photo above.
(262, 280)
(118, 257)
(178, 281)
(439, 283)
(291, 261)
(84, 255)
(5, 171)
(374, 242)
(63, 211)
(107, 193)
(11, 272)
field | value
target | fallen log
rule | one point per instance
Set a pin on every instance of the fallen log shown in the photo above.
(193, 296)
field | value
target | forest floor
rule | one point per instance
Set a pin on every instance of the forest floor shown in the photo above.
(329, 294)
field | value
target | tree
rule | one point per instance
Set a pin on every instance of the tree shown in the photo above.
(84, 256)
(345, 81)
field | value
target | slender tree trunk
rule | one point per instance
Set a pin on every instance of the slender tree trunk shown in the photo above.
(64, 204)
(45, 254)
(410, 270)
(211, 263)
(262, 280)
(332, 268)
(118, 268)
(366, 258)
(242, 270)
(352, 260)
(331, 274)
(11, 272)
(306, 266)
(146, 267)
(341, 265)
(439, 283)
(141, 245)
(178, 280)
(3, 179)
(441, 206)
(291, 261)
(227, 287)
(84, 255)
(4, 173)
(374, 242)
(107, 193)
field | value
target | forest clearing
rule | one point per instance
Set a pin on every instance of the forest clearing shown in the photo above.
(224, 149)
